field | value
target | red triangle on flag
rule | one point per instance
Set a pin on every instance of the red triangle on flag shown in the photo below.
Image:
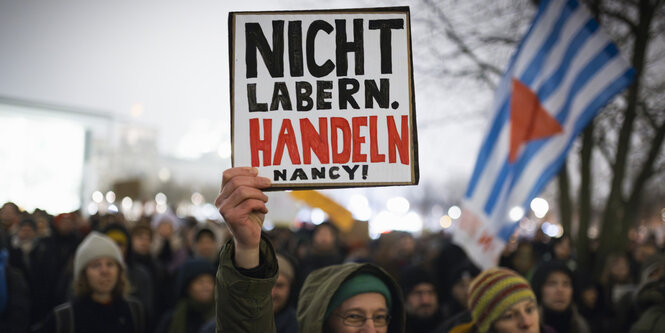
(528, 119)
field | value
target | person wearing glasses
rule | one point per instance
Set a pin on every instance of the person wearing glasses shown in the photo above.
(341, 298)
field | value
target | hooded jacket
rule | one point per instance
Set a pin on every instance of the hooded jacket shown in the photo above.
(244, 302)
(322, 284)
(651, 301)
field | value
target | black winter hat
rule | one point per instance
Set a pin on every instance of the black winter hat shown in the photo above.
(191, 269)
(412, 276)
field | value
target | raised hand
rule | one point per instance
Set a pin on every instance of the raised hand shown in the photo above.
(241, 202)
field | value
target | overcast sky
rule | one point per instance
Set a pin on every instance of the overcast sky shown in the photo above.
(171, 57)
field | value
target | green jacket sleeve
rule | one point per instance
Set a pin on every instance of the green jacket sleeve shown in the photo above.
(244, 304)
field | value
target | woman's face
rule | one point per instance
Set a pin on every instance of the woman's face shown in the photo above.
(522, 317)
(102, 274)
(557, 292)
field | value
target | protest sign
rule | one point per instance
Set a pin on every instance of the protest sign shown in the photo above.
(324, 98)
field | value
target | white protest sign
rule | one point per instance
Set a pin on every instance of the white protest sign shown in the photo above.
(324, 98)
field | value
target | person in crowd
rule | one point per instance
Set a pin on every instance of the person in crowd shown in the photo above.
(339, 298)
(523, 260)
(51, 269)
(325, 249)
(43, 220)
(590, 303)
(100, 287)
(22, 244)
(169, 251)
(650, 298)
(138, 275)
(617, 281)
(394, 252)
(456, 294)
(282, 294)
(141, 238)
(501, 301)
(640, 254)
(561, 249)
(454, 271)
(14, 293)
(195, 285)
(205, 244)
(189, 226)
(423, 313)
(10, 216)
(167, 244)
(626, 310)
(552, 283)
(285, 314)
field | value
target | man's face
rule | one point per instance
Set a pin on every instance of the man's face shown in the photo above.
(367, 305)
(280, 293)
(521, 317)
(422, 301)
(102, 274)
(557, 291)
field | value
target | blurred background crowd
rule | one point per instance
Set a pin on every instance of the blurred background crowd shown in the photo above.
(170, 264)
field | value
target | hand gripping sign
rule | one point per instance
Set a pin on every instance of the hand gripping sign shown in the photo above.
(324, 98)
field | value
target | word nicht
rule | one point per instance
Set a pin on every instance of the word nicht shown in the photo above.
(273, 57)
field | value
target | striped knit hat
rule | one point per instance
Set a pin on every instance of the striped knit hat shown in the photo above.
(493, 292)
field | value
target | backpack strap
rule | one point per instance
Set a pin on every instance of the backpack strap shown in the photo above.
(138, 314)
(64, 318)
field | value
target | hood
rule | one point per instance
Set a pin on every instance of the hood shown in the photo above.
(320, 286)
(650, 294)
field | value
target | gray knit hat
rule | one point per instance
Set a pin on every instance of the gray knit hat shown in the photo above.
(95, 245)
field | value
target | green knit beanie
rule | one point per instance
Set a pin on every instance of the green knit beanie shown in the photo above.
(359, 284)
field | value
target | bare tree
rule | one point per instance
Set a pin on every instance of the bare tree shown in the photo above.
(625, 142)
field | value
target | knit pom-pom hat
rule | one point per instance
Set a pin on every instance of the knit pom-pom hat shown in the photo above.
(493, 292)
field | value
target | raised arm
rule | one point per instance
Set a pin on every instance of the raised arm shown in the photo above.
(247, 266)
(242, 203)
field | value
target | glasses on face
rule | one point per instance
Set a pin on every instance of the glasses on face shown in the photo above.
(358, 320)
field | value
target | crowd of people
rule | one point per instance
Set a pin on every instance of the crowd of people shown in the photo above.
(102, 273)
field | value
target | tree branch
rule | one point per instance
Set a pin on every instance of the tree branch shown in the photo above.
(451, 33)
(604, 151)
(621, 17)
(647, 167)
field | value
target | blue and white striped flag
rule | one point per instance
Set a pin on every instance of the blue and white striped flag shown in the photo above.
(564, 71)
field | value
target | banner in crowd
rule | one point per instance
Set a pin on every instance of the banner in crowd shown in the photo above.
(324, 98)
(564, 71)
